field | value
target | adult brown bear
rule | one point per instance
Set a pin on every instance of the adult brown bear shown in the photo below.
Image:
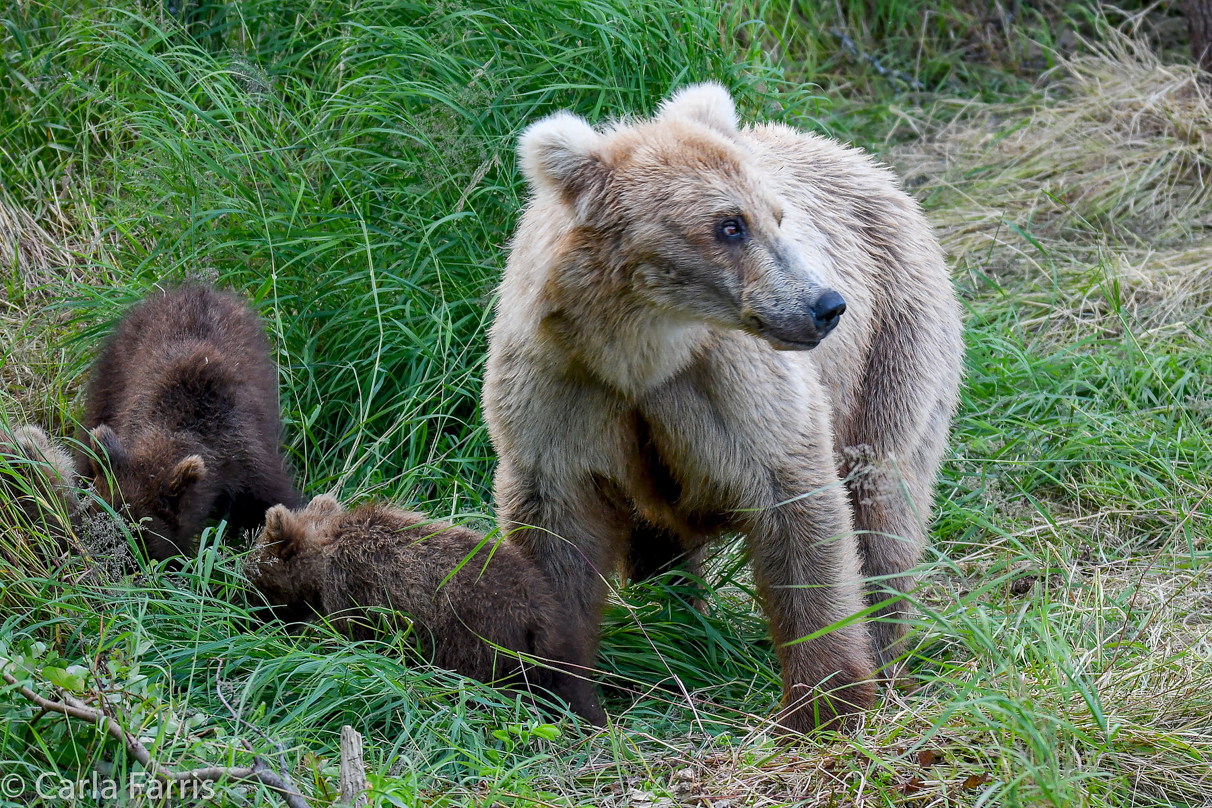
(705, 329)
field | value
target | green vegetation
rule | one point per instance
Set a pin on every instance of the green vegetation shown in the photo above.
(350, 168)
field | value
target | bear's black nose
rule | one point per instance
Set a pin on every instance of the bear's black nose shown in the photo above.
(827, 310)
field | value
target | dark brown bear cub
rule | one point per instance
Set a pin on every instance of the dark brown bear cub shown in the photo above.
(183, 405)
(347, 564)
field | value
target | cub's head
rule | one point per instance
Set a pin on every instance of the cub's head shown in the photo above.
(35, 474)
(163, 486)
(681, 208)
(286, 563)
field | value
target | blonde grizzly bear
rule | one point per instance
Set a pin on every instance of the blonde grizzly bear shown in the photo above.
(704, 330)
(468, 597)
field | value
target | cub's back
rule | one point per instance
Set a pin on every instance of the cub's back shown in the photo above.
(384, 556)
(167, 329)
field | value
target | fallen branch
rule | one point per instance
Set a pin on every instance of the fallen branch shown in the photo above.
(282, 784)
(74, 708)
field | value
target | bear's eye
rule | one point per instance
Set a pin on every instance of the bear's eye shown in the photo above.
(731, 229)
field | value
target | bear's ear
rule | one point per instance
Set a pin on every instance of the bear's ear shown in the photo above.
(563, 153)
(708, 103)
(286, 535)
(103, 445)
(187, 472)
(278, 522)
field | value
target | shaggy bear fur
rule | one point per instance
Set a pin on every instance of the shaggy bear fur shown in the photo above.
(182, 418)
(343, 564)
(706, 329)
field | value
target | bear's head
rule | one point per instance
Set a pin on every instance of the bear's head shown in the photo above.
(161, 483)
(681, 208)
(287, 561)
(36, 475)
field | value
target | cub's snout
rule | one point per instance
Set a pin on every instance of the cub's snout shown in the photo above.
(798, 328)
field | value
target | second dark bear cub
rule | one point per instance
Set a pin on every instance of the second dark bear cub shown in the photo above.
(346, 564)
(183, 405)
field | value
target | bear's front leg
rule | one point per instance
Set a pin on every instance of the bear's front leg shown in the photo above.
(807, 571)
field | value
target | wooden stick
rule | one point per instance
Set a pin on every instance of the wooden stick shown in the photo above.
(353, 770)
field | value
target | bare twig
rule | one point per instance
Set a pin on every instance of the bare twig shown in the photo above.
(857, 53)
(74, 708)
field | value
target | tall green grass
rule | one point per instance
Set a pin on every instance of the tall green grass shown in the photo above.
(350, 167)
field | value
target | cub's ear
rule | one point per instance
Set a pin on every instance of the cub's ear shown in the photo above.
(32, 441)
(563, 153)
(276, 520)
(324, 505)
(283, 532)
(708, 103)
(186, 473)
(103, 446)
(33, 444)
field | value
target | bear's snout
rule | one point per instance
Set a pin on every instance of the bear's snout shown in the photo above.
(797, 328)
(827, 310)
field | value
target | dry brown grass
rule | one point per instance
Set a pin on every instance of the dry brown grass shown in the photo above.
(31, 254)
(40, 258)
(1104, 173)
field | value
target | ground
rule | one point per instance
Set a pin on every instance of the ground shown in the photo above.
(351, 170)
